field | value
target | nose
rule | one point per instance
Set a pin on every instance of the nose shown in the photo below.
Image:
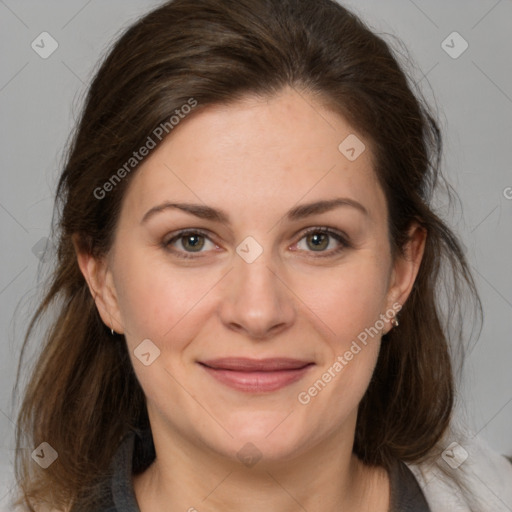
(256, 300)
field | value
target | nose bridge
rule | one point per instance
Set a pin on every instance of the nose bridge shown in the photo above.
(254, 277)
(256, 300)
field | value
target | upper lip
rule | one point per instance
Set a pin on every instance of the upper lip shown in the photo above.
(245, 364)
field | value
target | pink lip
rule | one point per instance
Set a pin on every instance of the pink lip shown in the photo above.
(256, 375)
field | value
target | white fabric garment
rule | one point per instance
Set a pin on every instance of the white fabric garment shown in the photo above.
(481, 483)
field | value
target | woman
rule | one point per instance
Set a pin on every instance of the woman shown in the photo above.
(247, 279)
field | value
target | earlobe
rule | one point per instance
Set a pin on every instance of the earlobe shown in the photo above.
(406, 266)
(99, 280)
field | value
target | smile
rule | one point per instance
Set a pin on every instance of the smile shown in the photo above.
(256, 376)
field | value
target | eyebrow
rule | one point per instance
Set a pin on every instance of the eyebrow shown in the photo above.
(296, 213)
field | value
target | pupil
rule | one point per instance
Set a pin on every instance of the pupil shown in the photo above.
(319, 237)
(193, 241)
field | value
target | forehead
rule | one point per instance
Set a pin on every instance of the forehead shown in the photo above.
(257, 155)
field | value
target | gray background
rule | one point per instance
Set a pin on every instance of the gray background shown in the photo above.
(40, 100)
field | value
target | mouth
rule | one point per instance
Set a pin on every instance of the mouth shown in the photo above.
(256, 375)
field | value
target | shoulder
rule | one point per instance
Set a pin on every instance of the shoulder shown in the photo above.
(466, 476)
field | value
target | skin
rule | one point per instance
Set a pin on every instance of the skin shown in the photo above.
(255, 160)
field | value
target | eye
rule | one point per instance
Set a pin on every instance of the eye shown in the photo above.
(187, 241)
(320, 239)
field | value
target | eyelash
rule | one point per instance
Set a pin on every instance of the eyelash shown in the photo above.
(339, 237)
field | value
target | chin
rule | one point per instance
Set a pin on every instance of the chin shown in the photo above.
(267, 435)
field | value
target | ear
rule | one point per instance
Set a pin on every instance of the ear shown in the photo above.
(101, 285)
(405, 268)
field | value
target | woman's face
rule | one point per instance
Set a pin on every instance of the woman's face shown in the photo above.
(255, 278)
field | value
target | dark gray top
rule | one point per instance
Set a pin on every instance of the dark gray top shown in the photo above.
(406, 495)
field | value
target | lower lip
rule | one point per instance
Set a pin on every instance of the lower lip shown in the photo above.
(257, 382)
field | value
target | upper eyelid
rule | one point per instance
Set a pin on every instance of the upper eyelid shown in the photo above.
(184, 232)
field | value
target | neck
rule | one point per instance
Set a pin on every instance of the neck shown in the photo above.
(325, 477)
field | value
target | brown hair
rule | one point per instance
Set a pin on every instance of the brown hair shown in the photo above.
(83, 393)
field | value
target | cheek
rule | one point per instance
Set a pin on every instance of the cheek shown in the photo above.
(156, 302)
(347, 304)
(347, 299)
